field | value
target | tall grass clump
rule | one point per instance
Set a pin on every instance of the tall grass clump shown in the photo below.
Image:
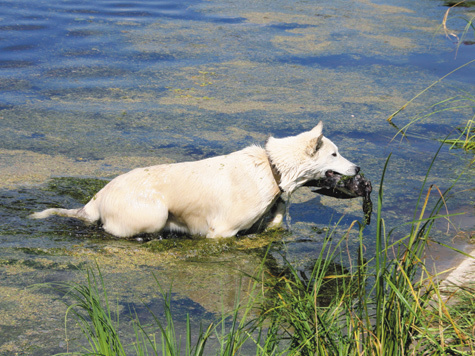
(384, 305)
(89, 306)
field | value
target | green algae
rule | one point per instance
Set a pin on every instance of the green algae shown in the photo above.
(40, 264)
(191, 247)
(210, 283)
(80, 189)
(198, 248)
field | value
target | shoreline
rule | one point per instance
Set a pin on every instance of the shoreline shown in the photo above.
(462, 275)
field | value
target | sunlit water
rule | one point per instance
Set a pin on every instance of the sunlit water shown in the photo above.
(92, 89)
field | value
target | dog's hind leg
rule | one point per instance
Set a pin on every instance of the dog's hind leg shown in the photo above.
(127, 221)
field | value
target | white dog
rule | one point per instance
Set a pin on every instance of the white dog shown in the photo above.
(216, 197)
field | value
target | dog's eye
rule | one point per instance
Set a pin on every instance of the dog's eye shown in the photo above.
(334, 154)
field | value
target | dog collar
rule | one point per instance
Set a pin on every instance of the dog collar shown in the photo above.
(275, 173)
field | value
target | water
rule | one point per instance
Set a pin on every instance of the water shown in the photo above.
(92, 89)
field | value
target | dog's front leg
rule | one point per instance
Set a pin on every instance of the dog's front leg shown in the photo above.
(278, 212)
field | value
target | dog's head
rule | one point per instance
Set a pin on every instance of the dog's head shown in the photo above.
(307, 156)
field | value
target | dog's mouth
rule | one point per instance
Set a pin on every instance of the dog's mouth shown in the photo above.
(332, 174)
(329, 180)
(335, 176)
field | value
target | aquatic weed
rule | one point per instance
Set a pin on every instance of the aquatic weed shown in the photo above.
(80, 189)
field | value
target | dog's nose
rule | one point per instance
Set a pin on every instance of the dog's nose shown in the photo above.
(357, 170)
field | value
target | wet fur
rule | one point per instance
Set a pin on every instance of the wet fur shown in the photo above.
(216, 197)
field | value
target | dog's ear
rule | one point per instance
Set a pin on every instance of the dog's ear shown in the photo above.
(317, 140)
(314, 145)
(317, 130)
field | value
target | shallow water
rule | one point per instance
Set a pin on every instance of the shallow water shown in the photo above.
(92, 89)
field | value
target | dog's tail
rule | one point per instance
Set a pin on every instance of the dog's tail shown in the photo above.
(68, 213)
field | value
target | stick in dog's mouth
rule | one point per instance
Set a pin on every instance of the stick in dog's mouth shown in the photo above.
(339, 186)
